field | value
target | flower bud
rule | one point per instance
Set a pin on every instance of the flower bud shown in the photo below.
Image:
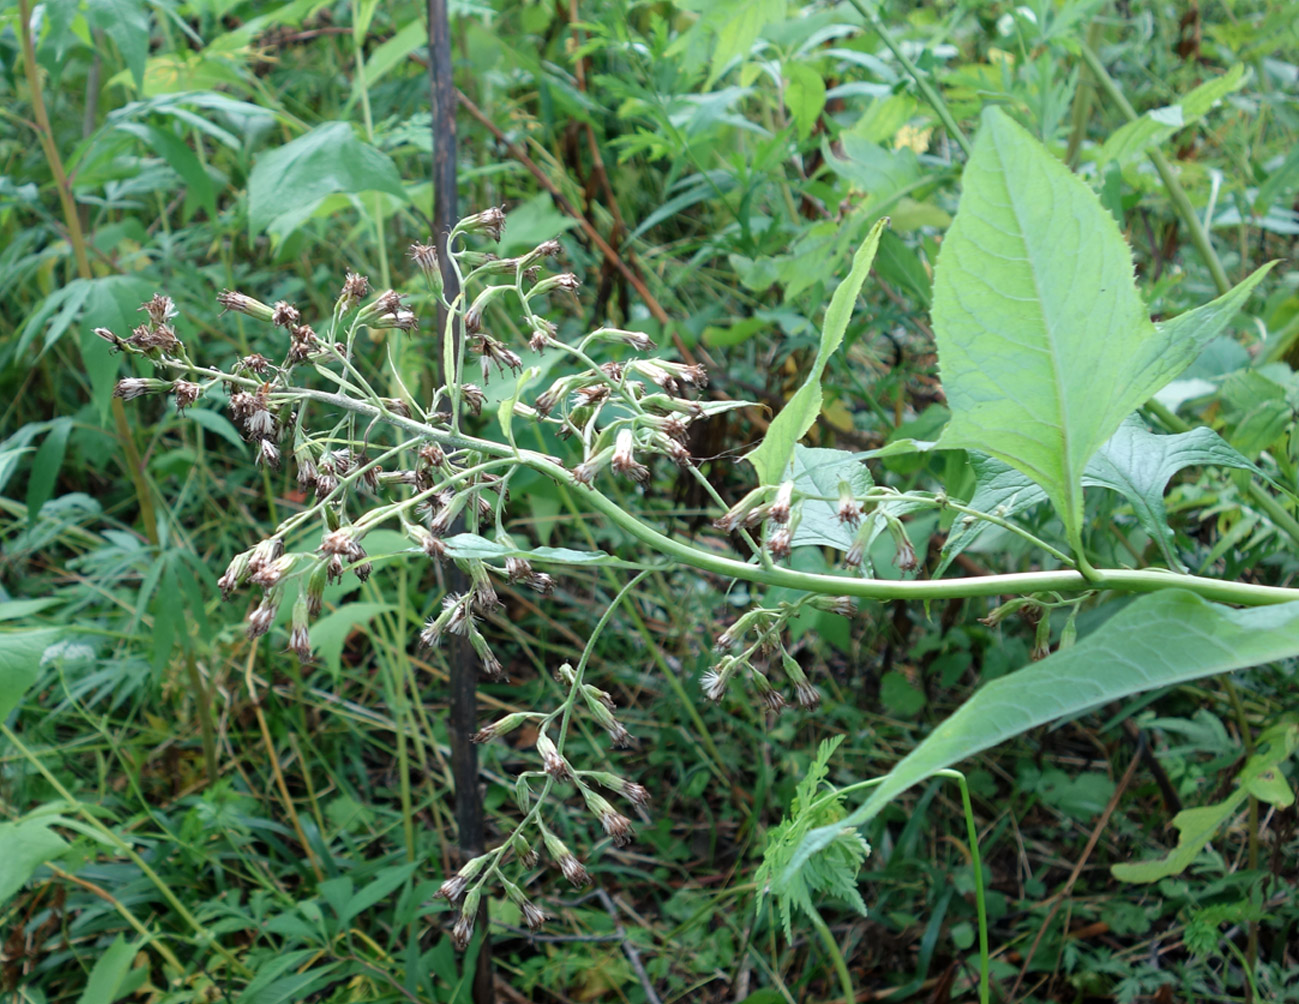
(242, 304)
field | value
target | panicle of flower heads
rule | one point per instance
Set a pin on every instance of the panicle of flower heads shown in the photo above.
(552, 761)
(715, 680)
(502, 726)
(572, 869)
(624, 461)
(159, 308)
(263, 615)
(299, 638)
(780, 505)
(849, 511)
(615, 824)
(490, 223)
(241, 303)
(906, 553)
(453, 888)
(285, 315)
(355, 289)
(129, 388)
(805, 694)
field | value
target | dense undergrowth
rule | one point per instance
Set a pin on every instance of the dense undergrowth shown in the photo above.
(189, 814)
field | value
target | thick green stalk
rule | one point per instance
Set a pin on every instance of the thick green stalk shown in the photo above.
(1119, 579)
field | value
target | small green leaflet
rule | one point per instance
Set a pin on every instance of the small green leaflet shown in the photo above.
(833, 870)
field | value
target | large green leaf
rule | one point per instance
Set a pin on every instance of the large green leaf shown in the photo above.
(24, 847)
(287, 183)
(1159, 640)
(113, 975)
(1044, 344)
(772, 457)
(817, 472)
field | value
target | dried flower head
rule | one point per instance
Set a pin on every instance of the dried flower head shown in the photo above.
(285, 315)
(160, 309)
(425, 257)
(624, 461)
(186, 393)
(355, 289)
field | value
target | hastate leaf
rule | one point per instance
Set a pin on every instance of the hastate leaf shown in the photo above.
(1138, 464)
(1043, 342)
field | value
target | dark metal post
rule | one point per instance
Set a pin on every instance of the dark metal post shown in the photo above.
(463, 663)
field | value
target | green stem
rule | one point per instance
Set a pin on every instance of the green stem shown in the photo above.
(976, 863)
(1065, 581)
(836, 956)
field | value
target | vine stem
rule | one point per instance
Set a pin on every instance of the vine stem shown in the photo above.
(1122, 580)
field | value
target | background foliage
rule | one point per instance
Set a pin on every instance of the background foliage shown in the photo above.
(188, 816)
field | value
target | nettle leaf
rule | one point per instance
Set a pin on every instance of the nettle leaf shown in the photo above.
(833, 870)
(1158, 640)
(287, 183)
(1196, 827)
(1043, 342)
(1138, 465)
(772, 457)
(1134, 462)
